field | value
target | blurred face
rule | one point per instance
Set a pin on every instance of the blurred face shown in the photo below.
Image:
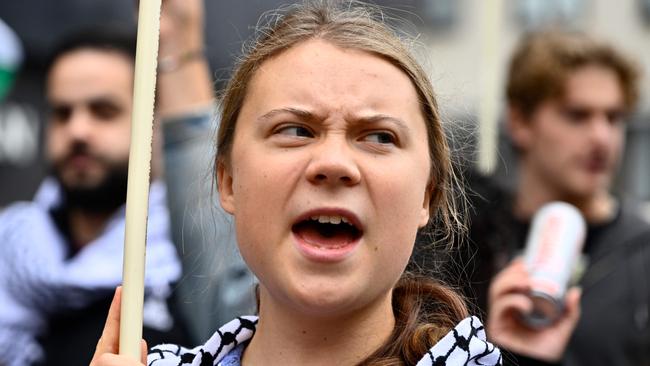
(574, 144)
(89, 93)
(328, 178)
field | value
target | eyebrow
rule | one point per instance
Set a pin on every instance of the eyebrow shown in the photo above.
(384, 117)
(291, 110)
(309, 116)
(103, 98)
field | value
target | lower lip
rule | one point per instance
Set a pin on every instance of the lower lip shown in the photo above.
(596, 168)
(324, 254)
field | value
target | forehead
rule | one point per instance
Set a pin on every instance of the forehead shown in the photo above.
(86, 73)
(326, 77)
(594, 85)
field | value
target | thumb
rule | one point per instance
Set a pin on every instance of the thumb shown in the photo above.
(143, 351)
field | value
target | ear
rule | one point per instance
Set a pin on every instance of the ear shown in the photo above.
(519, 128)
(425, 214)
(225, 188)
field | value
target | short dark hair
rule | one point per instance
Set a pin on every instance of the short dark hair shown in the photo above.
(105, 38)
(543, 61)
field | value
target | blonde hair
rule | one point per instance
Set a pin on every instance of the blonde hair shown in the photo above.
(353, 25)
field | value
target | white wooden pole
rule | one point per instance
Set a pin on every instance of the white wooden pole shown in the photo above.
(490, 94)
(137, 197)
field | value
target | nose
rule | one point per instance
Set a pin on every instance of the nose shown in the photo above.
(333, 163)
(79, 125)
(602, 131)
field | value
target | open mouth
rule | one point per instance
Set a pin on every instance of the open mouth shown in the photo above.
(327, 231)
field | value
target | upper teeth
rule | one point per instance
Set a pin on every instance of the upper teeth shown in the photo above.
(330, 219)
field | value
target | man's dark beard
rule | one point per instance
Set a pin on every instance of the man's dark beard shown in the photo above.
(105, 197)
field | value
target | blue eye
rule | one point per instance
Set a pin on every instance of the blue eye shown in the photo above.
(298, 131)
(380, 138)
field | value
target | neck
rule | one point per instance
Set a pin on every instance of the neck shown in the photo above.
(85, 226)
(533, 191)
(286, 337)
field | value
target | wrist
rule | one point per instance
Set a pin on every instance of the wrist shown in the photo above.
(174, 41)
(171, 63)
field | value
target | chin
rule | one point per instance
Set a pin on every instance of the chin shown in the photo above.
(82, 181)
(582, 193)
(328, 299)
(594, 186)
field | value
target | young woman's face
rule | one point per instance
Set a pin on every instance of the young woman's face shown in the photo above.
(328, 177)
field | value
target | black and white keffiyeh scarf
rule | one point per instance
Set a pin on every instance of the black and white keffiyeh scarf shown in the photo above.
(37, 278)
(464, 345)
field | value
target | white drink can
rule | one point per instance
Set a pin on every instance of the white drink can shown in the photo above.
(553, 248)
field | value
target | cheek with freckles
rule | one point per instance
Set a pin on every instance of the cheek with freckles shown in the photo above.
(261, 190)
